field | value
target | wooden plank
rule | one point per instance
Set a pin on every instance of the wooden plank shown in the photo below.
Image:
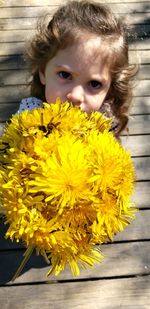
(139, 44)
(22, 35)
(24, 3)
(144, 71)
(135, 19)
(142, 168)
(18, 23)
(139, 124)
(140, 105)
(6, 110)
(121, 259)
(7, 49)
(15, 93)
(141, 196)
(21, 12)
(141, 88)
(111, 294)
(13, 77)
(139, 56)
(16, 35)
(31, 22)
(12, 62)
(138, 229)
(139, 31)
(137, 145)
(34, 11)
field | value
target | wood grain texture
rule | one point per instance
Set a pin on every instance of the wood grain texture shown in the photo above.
(31, 22)
(113, 294)
(137, 145)
(139, 124)
(142, 168)
(140, 44)
(138, 228)
(24, 3)
(120, 259)
(141, 196)
(34, 11)
(140, 105)
(144, 72)
(12, 62)
(141, 88)
(23, 35)
(7, 49)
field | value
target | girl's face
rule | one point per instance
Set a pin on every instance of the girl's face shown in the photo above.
(79, 74)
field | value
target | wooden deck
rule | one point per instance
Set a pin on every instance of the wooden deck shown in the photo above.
(123, 280)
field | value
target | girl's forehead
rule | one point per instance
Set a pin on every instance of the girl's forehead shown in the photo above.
(85, 51)
(89, 44)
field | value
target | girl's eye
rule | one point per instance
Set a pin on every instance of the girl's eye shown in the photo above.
(64, 75)
(95, 84)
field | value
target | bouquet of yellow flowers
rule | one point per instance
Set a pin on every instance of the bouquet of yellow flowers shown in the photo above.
(65, 184)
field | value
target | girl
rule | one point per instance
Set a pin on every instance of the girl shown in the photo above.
(81, 56)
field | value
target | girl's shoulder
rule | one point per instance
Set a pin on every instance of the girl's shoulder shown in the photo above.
(29, 104)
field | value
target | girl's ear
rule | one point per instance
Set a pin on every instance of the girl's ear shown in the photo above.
(42, 75)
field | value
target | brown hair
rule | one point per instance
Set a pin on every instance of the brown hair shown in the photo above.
(68, 22)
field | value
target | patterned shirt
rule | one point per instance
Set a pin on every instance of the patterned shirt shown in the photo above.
(29, 103)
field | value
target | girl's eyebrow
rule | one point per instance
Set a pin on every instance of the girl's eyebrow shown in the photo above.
(64, 66)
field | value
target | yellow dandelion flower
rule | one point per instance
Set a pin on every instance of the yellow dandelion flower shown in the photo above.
(111, 163)
(65, 184)
(64, 175)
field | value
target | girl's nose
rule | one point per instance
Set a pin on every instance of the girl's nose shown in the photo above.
(76, 95)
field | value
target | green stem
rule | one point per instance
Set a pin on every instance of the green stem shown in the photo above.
(27, 255)
(45, 257)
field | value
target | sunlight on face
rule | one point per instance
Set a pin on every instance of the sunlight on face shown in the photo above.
(79, 74)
